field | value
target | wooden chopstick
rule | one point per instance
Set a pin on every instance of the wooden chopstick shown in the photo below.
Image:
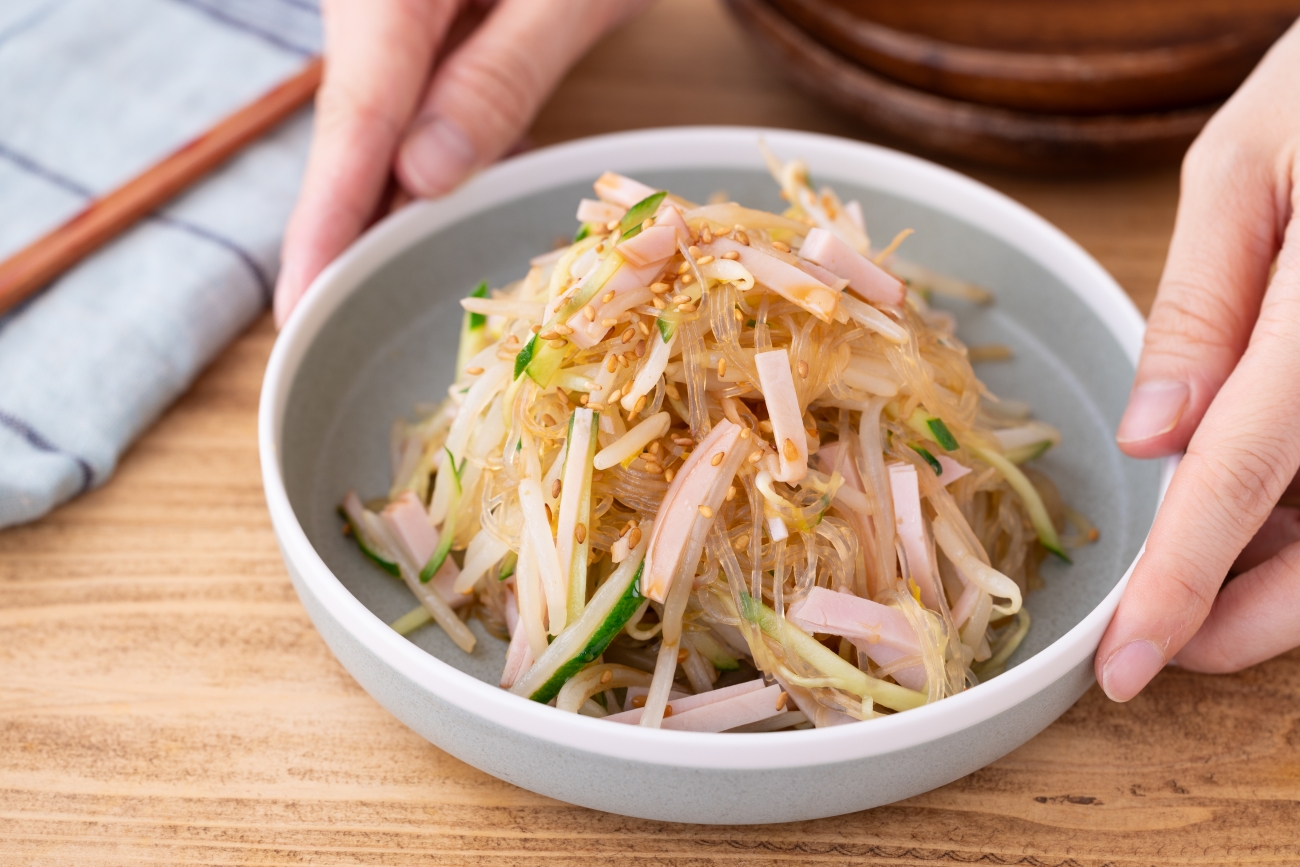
(46, 258)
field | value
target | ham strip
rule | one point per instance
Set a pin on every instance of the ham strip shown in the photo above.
(952, 471)
(865, 277)
(630, 286)
(788, 281)
(818, 714)
(881, 632)
(622, 191)
(519, 656)
(910, 525)
(783, 410)
(722, 715)
(591, 211)
(827, 455)
(669, 215)
(682, 703)
(681, 520)
(655, 244)
(718, 710)
(408, 524)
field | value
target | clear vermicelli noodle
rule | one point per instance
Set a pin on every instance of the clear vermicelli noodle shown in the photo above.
(710, 468)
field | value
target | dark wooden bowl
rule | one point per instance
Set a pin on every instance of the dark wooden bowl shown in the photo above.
(967, 130)
(1063, 56)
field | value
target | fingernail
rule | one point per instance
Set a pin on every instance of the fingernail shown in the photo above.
(1154, 409)
(1130, 668)
(436, 156)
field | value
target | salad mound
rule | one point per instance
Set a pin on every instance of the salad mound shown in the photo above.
(711, 468)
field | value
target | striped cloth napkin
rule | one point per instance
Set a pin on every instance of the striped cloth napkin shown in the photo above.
(95, 91)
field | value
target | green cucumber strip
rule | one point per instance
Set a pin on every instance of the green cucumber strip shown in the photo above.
(932, 428)
(929, 459)
(478, 320)
(411, 620)
(583, 231)
(713, 652)
(605, 630)
(507, 566)
(1029, 496)
(942, 435)
(525, 356)
(387, 565)
(1027, 453)
(472, 331)
(541, 360)
(666, 329)
(630, 225)
(448, 526)
(545, 362)
(587, 290)
(810, 650)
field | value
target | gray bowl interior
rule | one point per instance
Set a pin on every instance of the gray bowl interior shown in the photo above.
(392, 345)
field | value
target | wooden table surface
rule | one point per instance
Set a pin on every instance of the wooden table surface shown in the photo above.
(164, 698)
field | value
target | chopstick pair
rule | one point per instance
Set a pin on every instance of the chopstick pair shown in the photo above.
(102, 219)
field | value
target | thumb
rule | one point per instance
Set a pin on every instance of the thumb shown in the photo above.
(1224, 240)
(488, 91)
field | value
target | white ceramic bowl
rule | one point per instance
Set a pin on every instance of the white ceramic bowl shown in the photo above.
(376, 334)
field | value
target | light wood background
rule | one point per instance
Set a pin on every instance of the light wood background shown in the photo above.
(164, 699)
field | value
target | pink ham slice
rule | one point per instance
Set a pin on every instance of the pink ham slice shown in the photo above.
(682, 703)
(591, 211)
(409, 524)
(697, 483)
(908, 521)
(718, 710)
(655, 244)
(783, 411)
(669, 215)
(865, 277)
(827, 455)
(622, 191)
(630, 286)
(818, 714)
(952, 471)
(822, 275)
(788, 281)
(519, 655)
(881, 632)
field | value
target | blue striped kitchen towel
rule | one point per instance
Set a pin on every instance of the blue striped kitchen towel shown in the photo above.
(91, 93)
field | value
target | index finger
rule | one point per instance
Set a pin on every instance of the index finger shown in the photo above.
(1238, 463)
(378, 57)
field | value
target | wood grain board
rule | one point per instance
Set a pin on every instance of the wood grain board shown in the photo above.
(164, 698)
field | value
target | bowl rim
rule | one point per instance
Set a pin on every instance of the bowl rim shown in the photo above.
(685, 147)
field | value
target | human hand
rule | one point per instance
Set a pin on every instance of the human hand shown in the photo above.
(395, 99)
(1220, 376)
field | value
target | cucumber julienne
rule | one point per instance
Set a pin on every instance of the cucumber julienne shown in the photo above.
(627, 605)
(387, 565)
(929, 459)
(449, 528)
(630, 225)
(582, 641)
